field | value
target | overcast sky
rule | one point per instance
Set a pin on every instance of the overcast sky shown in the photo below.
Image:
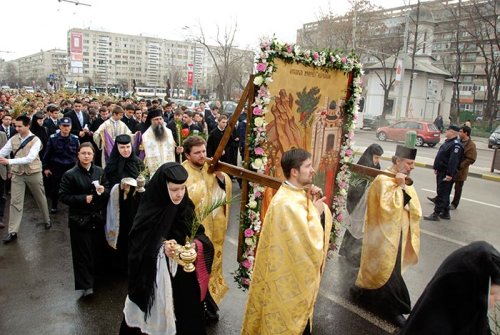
(28, 26)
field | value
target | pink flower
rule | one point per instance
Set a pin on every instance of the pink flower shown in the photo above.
(343, 60)
(316, 56)
(289, 48)
(340, 217)
(247, 264)
(259, 151)
(248, 232)
(257, 111)
(261, 67)
(246, 281)
(257, 194)
(262, 91)
(348, 152)
(252, 216)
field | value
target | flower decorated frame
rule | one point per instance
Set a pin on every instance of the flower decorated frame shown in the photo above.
(272, 50)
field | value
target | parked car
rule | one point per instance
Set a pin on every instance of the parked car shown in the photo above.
(427, 133)
(494, 139)
(374, 121)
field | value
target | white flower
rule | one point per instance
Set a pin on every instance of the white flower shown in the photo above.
(258, 80)
(252, 204)
(259, 121)
(257, 163)
(343, 192)
(268, 80)
(249, 241)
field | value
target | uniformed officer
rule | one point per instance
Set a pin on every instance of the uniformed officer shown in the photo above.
(60, 156)
(446, 166)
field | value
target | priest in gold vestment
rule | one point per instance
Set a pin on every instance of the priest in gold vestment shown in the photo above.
(391, 240)
(203, 189)
(291, 254)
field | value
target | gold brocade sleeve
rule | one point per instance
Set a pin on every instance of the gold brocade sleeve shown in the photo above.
(203, 189)
(386, 221)
(288, 266)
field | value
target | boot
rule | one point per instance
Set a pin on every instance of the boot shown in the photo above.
(433, 217)
(445, 215)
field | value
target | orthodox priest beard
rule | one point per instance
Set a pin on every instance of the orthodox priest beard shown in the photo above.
(159, 132)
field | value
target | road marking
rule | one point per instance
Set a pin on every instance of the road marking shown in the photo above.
(231, 240)
(471, 200)
(444, 238)
(359, 311)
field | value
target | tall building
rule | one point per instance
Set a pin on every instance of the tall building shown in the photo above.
(35, 70)
(456, 34)
(100, 58)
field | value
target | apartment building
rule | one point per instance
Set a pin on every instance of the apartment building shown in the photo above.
(446, 28)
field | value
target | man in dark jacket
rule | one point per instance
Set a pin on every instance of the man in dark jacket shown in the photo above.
(51, 122)
(80, 122)
(446, 166)
(59, 158)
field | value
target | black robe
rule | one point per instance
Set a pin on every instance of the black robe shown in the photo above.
(456, 299)
(119, 167)
(351, 246)
(157, 220)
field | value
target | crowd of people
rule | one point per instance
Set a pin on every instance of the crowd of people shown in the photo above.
(95, 155)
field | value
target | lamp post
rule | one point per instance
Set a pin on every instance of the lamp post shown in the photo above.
(474, 99)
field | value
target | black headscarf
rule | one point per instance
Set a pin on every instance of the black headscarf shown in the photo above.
(456, 299)
(119, 167)
(39, 131)
(157, 216)
(356, 191)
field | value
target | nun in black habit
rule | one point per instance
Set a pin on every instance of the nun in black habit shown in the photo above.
(351, 245)
(123, 161)
(457, 298)
(162, 297)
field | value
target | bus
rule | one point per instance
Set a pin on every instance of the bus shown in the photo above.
(150, 92)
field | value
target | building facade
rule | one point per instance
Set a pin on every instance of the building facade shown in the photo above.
(460, 37)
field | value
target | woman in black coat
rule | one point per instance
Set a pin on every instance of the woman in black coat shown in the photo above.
(38, 129)
(85, 190)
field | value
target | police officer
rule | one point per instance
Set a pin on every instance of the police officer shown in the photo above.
(446, 166)
(60, 156)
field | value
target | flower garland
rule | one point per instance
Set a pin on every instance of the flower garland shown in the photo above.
(271, 49)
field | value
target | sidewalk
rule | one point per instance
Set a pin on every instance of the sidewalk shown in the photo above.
(425, 162)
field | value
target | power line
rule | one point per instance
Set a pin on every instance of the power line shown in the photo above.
(76, 2)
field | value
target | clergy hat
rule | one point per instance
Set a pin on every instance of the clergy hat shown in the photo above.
(123, 139)
(453, 127)
(174, 172)
(408, 150)
(152, 113)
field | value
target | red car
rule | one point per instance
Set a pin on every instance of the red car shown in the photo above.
(427, 133)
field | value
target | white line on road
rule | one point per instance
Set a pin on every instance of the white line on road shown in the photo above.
(467, 199)
(444, 238)
(359, 311)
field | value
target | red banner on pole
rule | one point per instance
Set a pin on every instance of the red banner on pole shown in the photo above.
(190, 78)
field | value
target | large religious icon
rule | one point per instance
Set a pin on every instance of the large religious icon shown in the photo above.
(306, 111)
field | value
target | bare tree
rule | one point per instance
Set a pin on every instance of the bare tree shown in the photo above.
(225, 56)
(415, 22)
(484, 26)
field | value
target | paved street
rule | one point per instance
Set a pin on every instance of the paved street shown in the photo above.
(36, 278)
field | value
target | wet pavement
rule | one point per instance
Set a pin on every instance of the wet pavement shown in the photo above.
(37, 293)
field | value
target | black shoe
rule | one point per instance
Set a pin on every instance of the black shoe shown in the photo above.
(453, 207)
(433, 200)
(48, 225)
(10, 238)
(445, 216)
(53, 210)
(432, 217)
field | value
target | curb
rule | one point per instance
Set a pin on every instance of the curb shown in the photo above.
(486, 176)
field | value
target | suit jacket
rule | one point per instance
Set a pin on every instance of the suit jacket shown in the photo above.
(76, 127)
(50, 125)
(3, 168)
(12, 131)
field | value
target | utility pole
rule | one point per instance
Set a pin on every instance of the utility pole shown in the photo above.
(402, 57)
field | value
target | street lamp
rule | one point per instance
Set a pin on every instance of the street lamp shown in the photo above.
(474, 99)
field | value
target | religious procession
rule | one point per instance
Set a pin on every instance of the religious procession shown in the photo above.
(148, 187)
